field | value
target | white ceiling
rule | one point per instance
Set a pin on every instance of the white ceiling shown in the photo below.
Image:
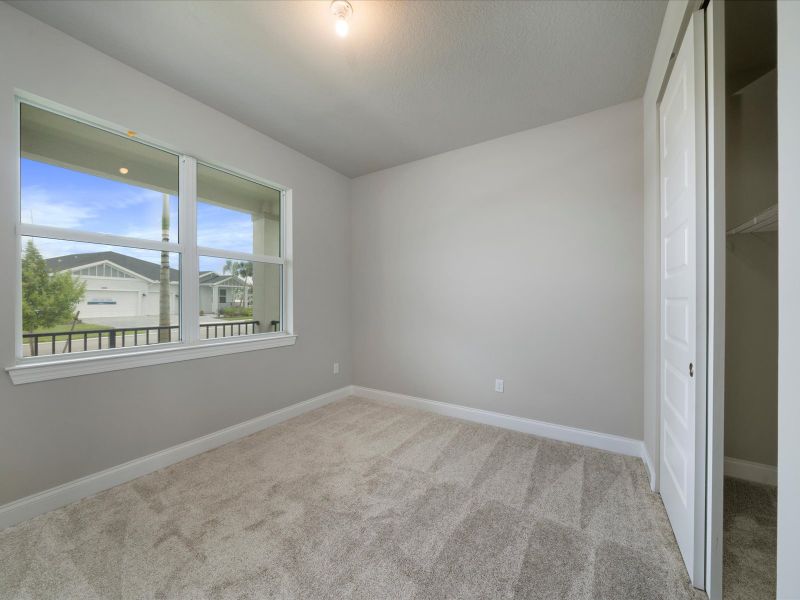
(411, 80)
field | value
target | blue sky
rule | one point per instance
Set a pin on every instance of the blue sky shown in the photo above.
(61, 197)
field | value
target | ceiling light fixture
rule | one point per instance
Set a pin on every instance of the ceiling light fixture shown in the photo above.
(341, 10)
(123, 170)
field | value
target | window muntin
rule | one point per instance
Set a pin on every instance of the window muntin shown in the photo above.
(237, 200)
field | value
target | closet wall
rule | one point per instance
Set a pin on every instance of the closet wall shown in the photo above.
(751, 345)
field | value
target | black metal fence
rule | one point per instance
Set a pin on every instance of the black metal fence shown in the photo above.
(58, 342)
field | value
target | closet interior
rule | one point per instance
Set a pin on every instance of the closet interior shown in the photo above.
(751, 301)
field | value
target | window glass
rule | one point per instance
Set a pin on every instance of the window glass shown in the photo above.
(79, 177)
(238, 297)
(237, 214)
(67, 308)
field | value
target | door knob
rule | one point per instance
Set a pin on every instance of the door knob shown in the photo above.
(691, 370)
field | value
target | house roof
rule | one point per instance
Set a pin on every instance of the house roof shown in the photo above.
(215, 278)
(144, 268)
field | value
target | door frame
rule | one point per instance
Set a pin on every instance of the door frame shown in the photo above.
(716, 100)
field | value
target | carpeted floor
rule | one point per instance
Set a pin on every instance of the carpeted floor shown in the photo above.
(750, 540)
(361, 500)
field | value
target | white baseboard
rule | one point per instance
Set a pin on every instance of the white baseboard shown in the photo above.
(584, 437)
(651, 470)
(37, 504)
(751, 471)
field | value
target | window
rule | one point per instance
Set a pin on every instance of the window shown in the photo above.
(109, 239)
(239, 238)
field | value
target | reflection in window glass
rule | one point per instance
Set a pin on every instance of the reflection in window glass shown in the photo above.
(237, 214)
(238, 297)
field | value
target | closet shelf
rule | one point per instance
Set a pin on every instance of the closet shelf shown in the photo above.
(750, 85)
(764, 221)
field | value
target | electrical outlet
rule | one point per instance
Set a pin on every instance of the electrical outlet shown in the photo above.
(335, 368)
(498, 385)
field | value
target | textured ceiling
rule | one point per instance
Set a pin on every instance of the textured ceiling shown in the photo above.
(411, 80)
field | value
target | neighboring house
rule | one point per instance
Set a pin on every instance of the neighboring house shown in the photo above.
(123, 286)
(220, 291)
(117, 285)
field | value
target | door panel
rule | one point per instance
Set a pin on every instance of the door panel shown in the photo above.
(682, 432)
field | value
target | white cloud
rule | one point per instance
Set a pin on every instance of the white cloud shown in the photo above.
(129, 212)
(38, 207)
(228, 236)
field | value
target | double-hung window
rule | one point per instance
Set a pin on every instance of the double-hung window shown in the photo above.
(132, 254)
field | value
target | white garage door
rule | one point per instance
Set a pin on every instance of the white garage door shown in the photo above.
(105, 303)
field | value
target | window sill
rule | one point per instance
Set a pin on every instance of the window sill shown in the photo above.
(29, 372)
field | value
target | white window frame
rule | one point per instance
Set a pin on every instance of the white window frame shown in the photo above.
(42, 368)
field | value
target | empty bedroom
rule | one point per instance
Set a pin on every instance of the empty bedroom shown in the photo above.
(400, 299)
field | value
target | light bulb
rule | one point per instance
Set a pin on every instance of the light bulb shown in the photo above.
(342, 28)
(123, 170)
(341, 11)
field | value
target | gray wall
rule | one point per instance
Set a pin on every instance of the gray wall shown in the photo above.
(751, 302)
(789, 298)
(56, 431)
(518, 258)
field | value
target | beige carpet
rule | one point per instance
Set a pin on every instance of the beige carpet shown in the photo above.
(749, 541)
(361, 500)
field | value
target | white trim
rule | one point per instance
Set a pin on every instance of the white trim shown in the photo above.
(130, 358)
(698, 569)
(190, 263)
(217, 253)
(37, 504)
(17, 341)
(717, 97)
(563, 433)
(751, 471)
(287, 292)
(74, 235)
(649, 465)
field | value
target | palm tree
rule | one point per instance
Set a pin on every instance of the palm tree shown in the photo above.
(163, 295)
(246, 273)
(243, 271)
(232, 267)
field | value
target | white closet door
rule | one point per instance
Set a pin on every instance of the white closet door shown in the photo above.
(682, 284)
